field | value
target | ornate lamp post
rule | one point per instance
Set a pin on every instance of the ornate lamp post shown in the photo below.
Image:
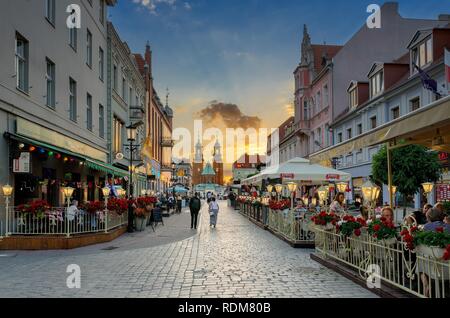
(131, 134)
(292, 187)
(323, 195)
(7, 192)
(342, 186)
(370, 192)
(68, 191)
(279, 189)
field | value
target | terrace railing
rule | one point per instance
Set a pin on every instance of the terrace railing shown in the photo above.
(56, 221)
(389, 261)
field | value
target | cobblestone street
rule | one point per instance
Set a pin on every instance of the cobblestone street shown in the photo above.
(237, 259)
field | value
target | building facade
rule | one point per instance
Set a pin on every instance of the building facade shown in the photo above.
(53, 100)
(159, 125)
(391, 90)
(246, 166)
(126, 105)
(209, 173)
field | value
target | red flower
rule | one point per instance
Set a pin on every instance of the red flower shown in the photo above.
(358, 232)
(440, 229)
(404, 232)
(376, 227)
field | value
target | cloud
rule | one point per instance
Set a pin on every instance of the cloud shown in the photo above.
(152, 5)
(229, 114)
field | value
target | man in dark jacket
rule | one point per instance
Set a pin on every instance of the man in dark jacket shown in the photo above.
(194, 205)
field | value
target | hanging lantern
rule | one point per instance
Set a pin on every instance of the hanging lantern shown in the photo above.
(279, 188)
(342, 187)
(292, 187)
(427, 187)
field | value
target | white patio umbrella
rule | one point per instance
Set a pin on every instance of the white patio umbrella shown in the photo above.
(300, 170)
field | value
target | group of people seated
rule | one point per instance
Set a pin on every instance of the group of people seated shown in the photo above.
(430, 217)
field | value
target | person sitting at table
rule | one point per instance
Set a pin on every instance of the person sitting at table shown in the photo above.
(420, 217)
(435, 219)
(364, 213)
(337, 206)
(388, 214)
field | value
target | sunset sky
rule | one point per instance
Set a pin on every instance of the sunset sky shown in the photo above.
(239, 52)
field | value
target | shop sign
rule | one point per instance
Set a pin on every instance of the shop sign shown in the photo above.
(287, 176)
(333, 177)
(23, 164)
(443, 192)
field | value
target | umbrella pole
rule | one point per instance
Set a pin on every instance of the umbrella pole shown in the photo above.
(389, 166)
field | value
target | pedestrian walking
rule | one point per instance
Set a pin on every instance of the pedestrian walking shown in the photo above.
(213, 212)
(179, 203)
(194, 206)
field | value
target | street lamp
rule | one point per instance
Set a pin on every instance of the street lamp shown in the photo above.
(427, 187)
(279, 189)
(370, 192)
(131, 135)
(323, 194)
(7, 192)
(342, 187)
(292, 187)
(68, 191)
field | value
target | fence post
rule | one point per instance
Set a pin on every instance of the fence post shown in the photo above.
(106, 220)
(7, 216)
(67, 223)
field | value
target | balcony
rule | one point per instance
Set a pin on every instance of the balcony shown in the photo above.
(137, 113)
(303, 125)
(167, 142)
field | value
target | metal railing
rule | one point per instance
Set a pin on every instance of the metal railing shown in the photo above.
(422, 275)
(291, 225)
(56, 221)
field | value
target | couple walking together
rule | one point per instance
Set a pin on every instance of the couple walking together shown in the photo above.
(195, 206)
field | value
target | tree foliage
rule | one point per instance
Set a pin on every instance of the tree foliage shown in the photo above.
(411, 166)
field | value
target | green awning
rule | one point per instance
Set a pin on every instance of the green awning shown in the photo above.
(90, 163)
(106, 168)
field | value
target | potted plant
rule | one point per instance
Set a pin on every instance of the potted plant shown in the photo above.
(432, 244)
(140, 218)
(326, 221)
(350, 225)
(382, 230)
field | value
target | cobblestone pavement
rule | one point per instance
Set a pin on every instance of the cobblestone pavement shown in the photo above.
(237, 259)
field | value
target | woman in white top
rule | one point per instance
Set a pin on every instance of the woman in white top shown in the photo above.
(338, 204)
(213, 212)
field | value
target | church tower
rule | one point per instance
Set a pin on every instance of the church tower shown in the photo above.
(218, 163)
(197, 165)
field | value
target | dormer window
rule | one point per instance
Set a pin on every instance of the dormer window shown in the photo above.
(353, 98)
(377, 84)
(422, 54)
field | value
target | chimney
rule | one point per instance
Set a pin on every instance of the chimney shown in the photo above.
(390, 9)
(444, 17)
(148, 55)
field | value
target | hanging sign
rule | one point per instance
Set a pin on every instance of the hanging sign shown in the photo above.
(23, 164)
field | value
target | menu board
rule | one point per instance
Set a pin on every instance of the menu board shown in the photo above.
(443, 192)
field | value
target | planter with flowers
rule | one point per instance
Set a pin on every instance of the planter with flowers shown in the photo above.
(351, 228)
(325, 221)
(119, 206)
(140, 215)
(95, 210)
(429, 245)
(146, 203)
(35, 209)
(384, 233)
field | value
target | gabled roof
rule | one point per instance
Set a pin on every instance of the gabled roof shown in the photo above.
(321, 51)
(208, 170)
(418, 37)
